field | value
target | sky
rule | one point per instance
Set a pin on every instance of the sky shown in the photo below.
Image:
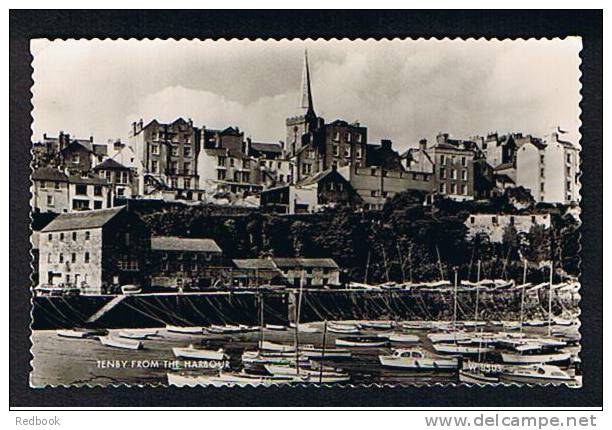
(403, 90)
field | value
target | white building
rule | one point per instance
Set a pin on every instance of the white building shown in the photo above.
(550, 169)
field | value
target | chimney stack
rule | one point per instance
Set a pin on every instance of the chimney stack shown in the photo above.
(423, 144)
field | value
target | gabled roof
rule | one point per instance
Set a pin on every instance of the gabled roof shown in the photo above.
(504, 166)
(305, 263)
(174, 243)
(87, 180)
(504, 178)
(255, 264)
(49, 174)
(267, 147)
(82, 220)
(110, 164)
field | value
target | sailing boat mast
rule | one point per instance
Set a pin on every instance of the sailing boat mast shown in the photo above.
(365, 278)
(440, 263)
(401, 260)
(477, 293)
(550, 288)
(455, 304)
(523, 293)
(297, 324)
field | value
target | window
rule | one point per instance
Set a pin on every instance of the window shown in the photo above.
(174, 150)
(154, 166)
(511, 220)
(50, 237)
(73, 257)
(61, 258)
(49, 200)
(86, 258)
(61, 236)
(464, 190)
(120, 191)
(187, 183)
(541, 173)
(74, 236)
(97, 205)
(221, 175)
(542, 158)
(453, 188)
(108, 176)
(173, 167)
(336, 136)
(81, 190)
(348, 137)
(187, 151)
(87, 235)
(569, 158)
(542, 187)
(442, 172)
(57, 185)
(43, 184)
(472, 220)
(442, 159)
(76, 159)
(155, 149)
(97, 190)
(453, 174)
(494, 220)
(464, 161)
(336, 150)
(49, 258)
(358, 151)
(232, 162)
(443, 188)
(187, 167)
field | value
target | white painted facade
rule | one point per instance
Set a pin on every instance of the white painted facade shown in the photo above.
(494, 225)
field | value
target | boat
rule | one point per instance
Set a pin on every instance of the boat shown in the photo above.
(477, 377)
(79, 333)
(534, 323)
(563, 321)
(416, 325)
(377, 325)
(278, 347)
(120, 343)
(276, 327)
(534, 353)
(418, 359)
(325, 375)
(343, 328)
(257, 359)
(450, 348)
(224, 378)
(184, 329)
(538, 373)
(473, 324)
(199, 354)
(179, 380)
(364, 342)
(137, 334)
(225, 329)
(313, 352)
(402, 338)
(449, 336)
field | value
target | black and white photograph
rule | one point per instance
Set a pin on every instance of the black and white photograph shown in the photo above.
(393, 212)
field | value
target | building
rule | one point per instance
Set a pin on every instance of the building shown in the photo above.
(121, 179)
(184, 262)
(166, 155)
(262, 150)
(309, 272)
(418, 160)
(549, 169)
(222, 170)
(494, 226)
(50, 190)
(88, 192)
(498, 149)
(290, 199)
(94, 250)
(296, 272)
(81, 155)
(454, 176)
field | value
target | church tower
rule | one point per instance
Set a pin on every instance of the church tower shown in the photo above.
(306, 119)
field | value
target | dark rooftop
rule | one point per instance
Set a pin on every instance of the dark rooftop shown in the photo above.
(81, 220)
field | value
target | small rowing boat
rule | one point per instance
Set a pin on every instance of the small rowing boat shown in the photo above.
(539, 373)
(377, 325)
(199, 354)
(362, 342)
(184, 329)
(402, 338)
(120, 343)
(449, 336)
(137, 334)
(416, 325)
(276, 327)
(278, 347)
(450, 348)
(313, 352)
(79, 333)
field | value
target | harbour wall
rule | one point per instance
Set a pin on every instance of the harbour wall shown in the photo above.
(279, 307)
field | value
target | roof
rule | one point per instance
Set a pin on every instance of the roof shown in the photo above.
(504, 178)
(110, 164)
(81, 220)
(267, 147)
(255, 264)
(49, 174)
(88, 180)
(174, 243)
(314, 178)
(504, 166)
(306, 262)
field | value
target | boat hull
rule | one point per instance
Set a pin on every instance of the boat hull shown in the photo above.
(514, 358)
(469, 377)
(120, 343)
(199, 354)
(418, 363)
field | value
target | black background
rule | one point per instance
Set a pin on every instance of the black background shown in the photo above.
(25, 25)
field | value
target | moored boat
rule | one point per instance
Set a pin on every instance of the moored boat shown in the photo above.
(417, 359)
(276, 327)
(120, 343)
(538, 373)
(137, 334)
(199, 354)
(362, 342)
(477, 377)
(184, 329)
(377, 325)
(79, 333)
(450, 348)
(278, 347)
(449, 336)
(314, 352)
(402, 338)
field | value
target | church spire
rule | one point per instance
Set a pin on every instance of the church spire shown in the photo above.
(306, 97)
